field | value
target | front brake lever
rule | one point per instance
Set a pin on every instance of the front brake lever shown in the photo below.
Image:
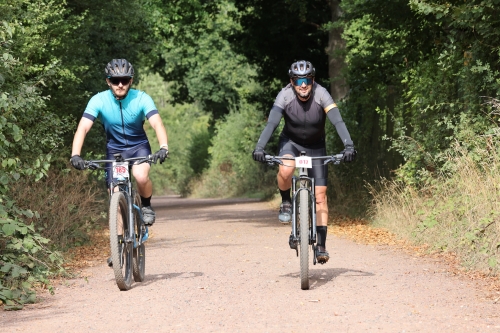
(93, 166)
(330, 160)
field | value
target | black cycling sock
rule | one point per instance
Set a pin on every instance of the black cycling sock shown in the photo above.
(285, 195)
(321, 235)
(145, 201)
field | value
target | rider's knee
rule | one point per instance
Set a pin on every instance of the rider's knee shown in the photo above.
(321, 198)
(285, 174)
(141, 178)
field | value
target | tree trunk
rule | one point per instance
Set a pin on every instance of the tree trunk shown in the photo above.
(338, 86)
(389, 127)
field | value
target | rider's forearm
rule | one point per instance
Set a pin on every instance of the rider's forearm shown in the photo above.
(161, 134)
(272, 122)
(336, 119)
(77, 143)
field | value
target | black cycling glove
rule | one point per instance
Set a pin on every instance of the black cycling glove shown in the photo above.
(160, 155)
(349, 153)
(258, 155)
(77, 162)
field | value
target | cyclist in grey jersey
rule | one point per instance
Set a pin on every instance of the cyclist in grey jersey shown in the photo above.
(305, 105)
(122, 111)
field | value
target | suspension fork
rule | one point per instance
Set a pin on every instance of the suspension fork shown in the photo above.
(125, 188)
(294, 208)
(312, 198)
(131, 230)
(313, 212)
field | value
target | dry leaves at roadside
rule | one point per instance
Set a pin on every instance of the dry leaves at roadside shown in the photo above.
(94, 253)
(362, 232)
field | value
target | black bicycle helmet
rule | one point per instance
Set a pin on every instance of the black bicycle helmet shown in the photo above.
(301, 68)
(119, 68)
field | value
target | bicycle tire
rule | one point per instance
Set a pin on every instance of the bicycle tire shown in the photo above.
(121, 252)
(304, 239)
(139, 260)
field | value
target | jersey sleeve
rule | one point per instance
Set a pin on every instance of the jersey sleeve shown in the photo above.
(324, 99)
(93, 109)
(272, 122)
(148, 106)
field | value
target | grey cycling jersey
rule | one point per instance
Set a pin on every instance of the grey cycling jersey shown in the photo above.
(304, 121)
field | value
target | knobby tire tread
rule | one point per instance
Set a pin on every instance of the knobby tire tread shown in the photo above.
(304, 239)
(123, 275)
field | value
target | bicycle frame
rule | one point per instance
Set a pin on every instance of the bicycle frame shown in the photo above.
(124, 185)
(304, 183)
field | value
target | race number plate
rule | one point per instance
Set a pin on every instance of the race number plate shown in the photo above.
(120, 170)
(303, 162)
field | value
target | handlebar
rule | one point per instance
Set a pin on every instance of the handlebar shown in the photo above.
(335, 159)
(96, 164)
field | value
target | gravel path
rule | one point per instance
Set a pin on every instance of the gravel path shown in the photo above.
(225, 266)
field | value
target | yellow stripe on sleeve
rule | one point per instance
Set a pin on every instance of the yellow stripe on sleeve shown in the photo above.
(329, 107)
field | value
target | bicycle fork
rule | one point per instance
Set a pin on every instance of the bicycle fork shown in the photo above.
(144, 229)
(294, 237)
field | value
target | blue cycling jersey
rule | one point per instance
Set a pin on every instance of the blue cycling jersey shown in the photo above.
(123, 120)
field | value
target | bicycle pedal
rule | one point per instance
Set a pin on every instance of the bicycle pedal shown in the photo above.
(322, 260)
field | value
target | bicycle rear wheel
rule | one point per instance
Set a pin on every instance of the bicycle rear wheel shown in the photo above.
(139, 263)
(121, 252)
(304, 239)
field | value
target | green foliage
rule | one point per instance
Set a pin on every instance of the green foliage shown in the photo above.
(195, 54)
(70, 204)
(188, 140)
(417, 79)
(274, 34)
(232, 171)
(25, 260)
(458, 212)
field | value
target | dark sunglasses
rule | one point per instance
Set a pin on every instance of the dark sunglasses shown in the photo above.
(298, 81)
(117, 80)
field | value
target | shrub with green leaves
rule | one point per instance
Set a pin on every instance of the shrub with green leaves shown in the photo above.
(232, 171)
(25, 260)
(28, 134)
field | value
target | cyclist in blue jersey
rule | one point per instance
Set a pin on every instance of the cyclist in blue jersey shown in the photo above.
(122, 111)
(304, 105)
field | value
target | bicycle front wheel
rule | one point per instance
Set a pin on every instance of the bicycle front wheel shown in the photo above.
(304, 239)
(139, 264)
(121, 251)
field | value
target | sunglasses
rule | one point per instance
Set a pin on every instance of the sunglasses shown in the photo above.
(117, 80)
(300, 80)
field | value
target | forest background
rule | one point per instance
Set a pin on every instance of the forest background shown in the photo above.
(416, 83)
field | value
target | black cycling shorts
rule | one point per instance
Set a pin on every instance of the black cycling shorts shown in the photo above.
(318, 171)
(144, 149)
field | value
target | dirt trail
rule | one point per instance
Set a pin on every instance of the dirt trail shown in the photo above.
(225, 266)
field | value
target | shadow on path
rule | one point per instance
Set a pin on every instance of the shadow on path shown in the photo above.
(152, 278)
(320, 277)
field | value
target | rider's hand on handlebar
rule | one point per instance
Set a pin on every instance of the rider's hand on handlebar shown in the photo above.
(160, 155)
(77, 162)
(349, 153)
(259, 155)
